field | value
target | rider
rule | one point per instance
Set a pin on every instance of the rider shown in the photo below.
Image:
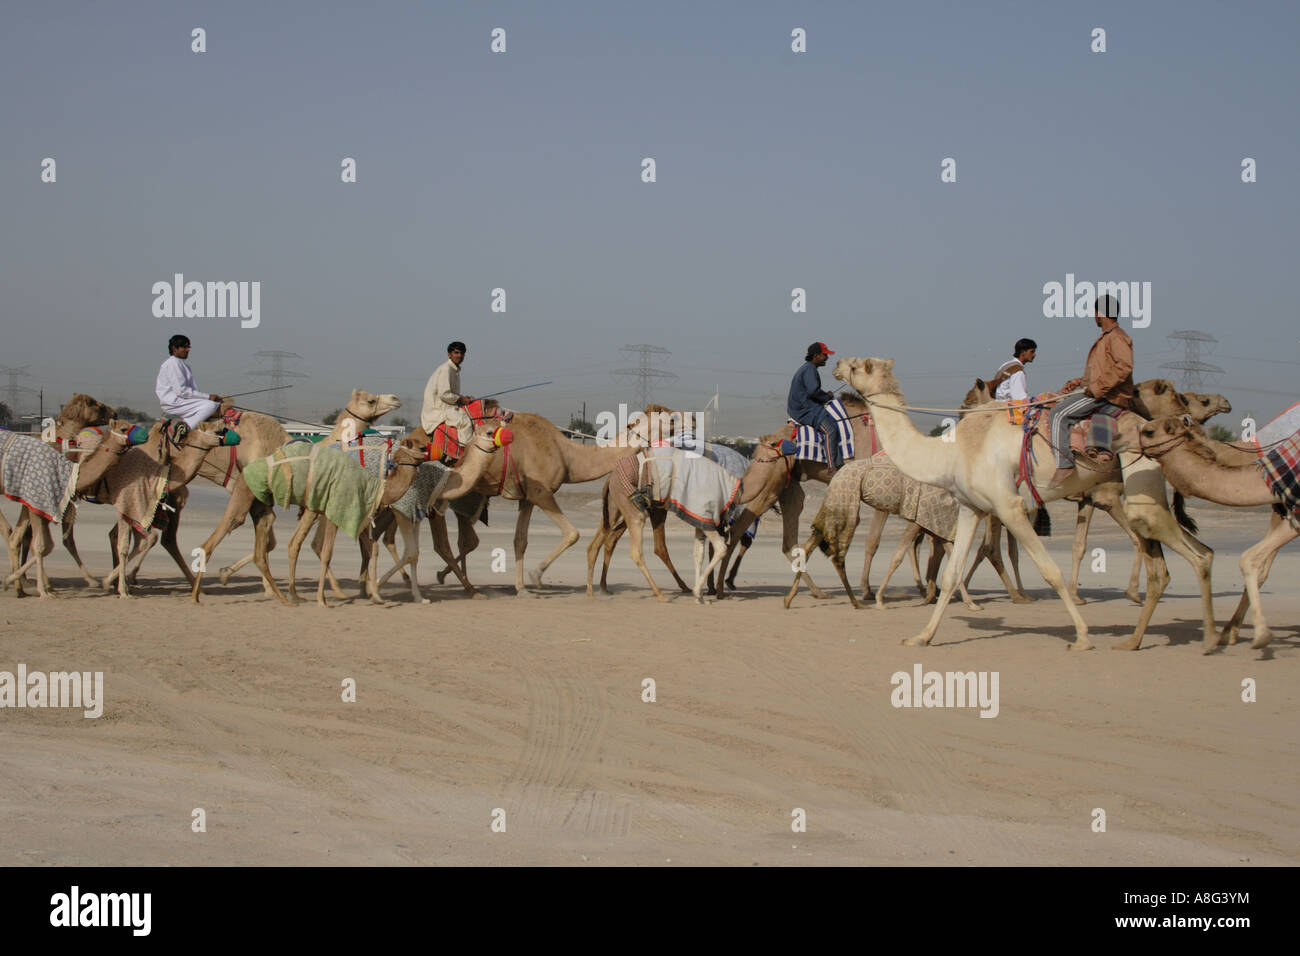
(806, 403)
(1011, 381)
(1107, 381)
(177, 393)
(443, 402)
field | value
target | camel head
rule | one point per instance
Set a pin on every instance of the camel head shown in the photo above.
(1205, 407)
(1164, 434)
(410, 452)
(869, 376)
(370, 408)
(80, 412)
(978, 394)
(1157, 398)
(657, 423)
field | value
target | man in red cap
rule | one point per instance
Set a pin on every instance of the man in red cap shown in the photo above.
(806, 403)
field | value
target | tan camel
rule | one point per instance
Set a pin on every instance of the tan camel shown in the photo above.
(878, 483)
(89, 472)
(406, 459)
(979, 467)
(265, 435)
(635, 519)
(538, 462)
(459, 482)
(1154, 398)
(778, 477)
(1192, 464)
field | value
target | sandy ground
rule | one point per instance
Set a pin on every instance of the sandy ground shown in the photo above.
(534, 706)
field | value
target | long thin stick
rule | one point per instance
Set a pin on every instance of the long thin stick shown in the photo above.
(509, 390)
(257, 391)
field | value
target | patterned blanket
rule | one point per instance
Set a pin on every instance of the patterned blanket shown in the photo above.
(810, 444)
(36, 475)
(322, 478)
(887, 488)
(430, 478)
(1280, 429)
(135, 487)
(704, 494)
(1282, 472)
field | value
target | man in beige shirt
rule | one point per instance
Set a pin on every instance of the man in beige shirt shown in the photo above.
(443, 402)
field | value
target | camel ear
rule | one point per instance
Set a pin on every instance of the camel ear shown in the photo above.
(889, 364)
(1161, 387)
(980, 385)
(1187, 420)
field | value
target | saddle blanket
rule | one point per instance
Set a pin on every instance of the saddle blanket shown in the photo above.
(135, 487)
(33, 473)
(445, 442)
(321, 478)
(1281, 464)
(430, 478)
(810, 444)
(702, 493)
(1279, 429)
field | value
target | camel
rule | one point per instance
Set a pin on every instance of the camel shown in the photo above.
(778, 477)
(1153, 398)
(458, 482)
(407, 457)
(878, 483)
(1194, 465)
(617, 498)
(260, 435)
(538, 462)
(89, 472)
(979, 467)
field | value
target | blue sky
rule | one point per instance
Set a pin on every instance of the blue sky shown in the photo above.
(522, 170)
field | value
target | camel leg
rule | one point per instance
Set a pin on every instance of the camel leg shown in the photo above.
(41, 545)
(1135, 574)
(697, 551)
(521, 543)
(263, 519)
(1255, 563)
(466, 543)
(1201, 558)
(390, 542)
(961, 585)
(874, 531)
(735, 568)
(70, 545)
(611, 539)
(326, 555)
(635, 527)
(237, 508)
(713, 541)
(594, 547)
(813, 542)
(910, 533)
(989, 544)
(1229, 633)
(442, 546)
(733, 539)
(568, 535)
(1017, 593)
(931, 591)
(1157, 581)
(658, 518)
(1014, 520)
(172, 547)
(1082, 523)
(305, 523)
(123, 543)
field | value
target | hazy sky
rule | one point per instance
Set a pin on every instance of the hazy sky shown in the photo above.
(522, 170)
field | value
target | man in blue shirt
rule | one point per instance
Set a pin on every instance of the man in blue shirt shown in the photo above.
(807, 401)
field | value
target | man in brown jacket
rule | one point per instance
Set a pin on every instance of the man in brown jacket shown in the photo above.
(1107, 381)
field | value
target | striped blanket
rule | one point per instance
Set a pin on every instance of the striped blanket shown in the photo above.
(321, 478)
(36, 475)
(810, 444)
(702, 493)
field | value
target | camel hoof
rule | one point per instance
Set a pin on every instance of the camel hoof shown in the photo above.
(788, 600)
(1133, 596)
(1130, 645)
(1023, 598)
(700, 601)
(662, 599)
(442, 577)
(477, 596)
(535, 578)
(1077, 599)
(1081, 644)
(1263, 637)
(916, 640)
(224, 574)
(425, 600)
(972, 605)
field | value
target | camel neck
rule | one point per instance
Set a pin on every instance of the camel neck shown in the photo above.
(590, 462)
(928, 460)
(1192, 474)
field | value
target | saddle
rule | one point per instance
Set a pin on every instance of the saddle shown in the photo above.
(445, 444)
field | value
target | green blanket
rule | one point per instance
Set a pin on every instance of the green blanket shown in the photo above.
(320, 478)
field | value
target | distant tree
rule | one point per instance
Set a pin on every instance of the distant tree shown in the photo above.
(1219, 433)
(581, 426)
(746, 448)
(938, 430)
(5, 413)
(128, 414)
(332, 417)
(399, 422)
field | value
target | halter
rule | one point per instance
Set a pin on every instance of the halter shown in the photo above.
(1165, 446)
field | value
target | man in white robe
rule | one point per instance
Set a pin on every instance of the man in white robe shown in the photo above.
(177, 393)
(443, 402)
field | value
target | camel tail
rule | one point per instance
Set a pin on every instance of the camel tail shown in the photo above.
(1185, 521)
(819, 532)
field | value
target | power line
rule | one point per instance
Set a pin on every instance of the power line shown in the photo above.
(277, 373)
(1195, 373)
(14, 389)
(645, 374)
